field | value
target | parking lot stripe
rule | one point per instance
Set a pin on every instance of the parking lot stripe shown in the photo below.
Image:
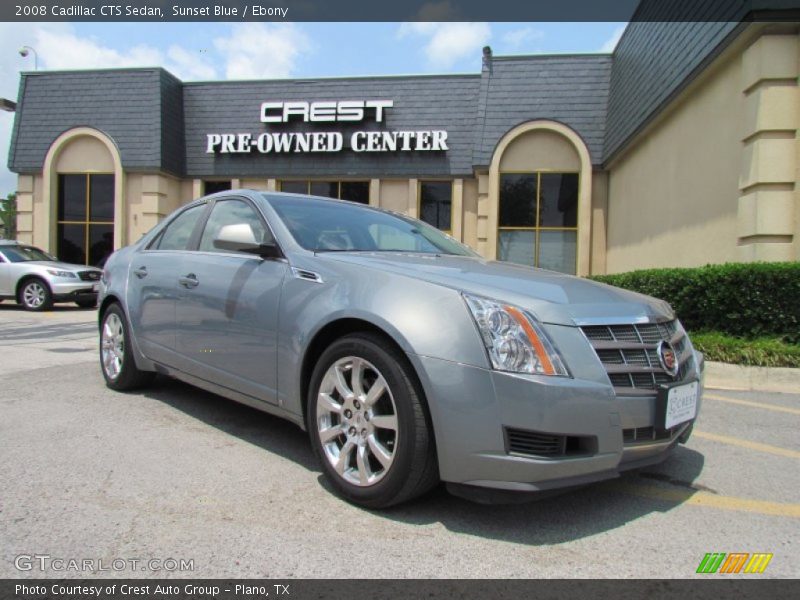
(699, 498)
(764, 405)
(733, 441)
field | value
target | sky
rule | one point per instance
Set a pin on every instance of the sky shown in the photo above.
(203, 51)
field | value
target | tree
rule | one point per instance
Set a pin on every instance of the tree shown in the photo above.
(8, 216)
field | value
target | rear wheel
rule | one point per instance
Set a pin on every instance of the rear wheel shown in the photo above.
(368, 424)
(35, 295)
(116, 362)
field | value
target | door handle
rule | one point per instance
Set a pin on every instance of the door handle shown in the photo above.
(141, 272)
(189, 281)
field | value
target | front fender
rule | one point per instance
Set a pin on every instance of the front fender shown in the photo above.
(424, 319)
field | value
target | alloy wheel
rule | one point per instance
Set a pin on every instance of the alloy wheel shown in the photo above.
(357, 421)
(34, 295)
(112, 345)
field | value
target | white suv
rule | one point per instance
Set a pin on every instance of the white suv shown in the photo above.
(35, 279)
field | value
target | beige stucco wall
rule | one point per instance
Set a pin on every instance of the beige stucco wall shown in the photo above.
(149, 198)
(673, 196)
(394, 195)
(599, 222)
(540, 150)
(84, 155)
(469, 218)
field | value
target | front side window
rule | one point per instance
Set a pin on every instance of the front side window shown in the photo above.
(355, 191)
(435, 202)
(231, 212)
(324, 226)
(85, 218)
(176, 235)
(538, 220)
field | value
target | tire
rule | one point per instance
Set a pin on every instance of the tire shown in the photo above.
(86, 303)
(35, 295)
(116, 362)
(378, 466)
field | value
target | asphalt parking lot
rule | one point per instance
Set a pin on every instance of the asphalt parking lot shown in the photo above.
(175, 472)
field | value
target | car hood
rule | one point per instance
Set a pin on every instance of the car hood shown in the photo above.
(61, 266)
(552, 297)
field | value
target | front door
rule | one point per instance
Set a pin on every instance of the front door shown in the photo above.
(227, 311)
(153, 286)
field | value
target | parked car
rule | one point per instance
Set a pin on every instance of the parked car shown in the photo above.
(36, 279)
(408, 358)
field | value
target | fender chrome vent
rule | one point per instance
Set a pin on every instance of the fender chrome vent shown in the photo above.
(307, 275)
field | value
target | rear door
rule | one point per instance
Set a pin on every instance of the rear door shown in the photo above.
(227, 309)
(153, 286)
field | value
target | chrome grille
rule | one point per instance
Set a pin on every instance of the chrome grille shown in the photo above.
(630, 354)
(89, 275)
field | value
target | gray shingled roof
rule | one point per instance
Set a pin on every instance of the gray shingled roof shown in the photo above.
(126, 105)
(571, 89)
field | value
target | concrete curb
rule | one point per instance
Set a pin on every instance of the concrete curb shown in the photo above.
(759, 379)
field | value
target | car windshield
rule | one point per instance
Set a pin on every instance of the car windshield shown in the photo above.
(17, 254)
(327, 226)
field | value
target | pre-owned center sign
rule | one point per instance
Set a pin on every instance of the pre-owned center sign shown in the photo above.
(276, 113)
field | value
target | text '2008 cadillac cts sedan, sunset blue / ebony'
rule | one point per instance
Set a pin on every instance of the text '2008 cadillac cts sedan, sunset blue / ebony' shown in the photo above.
(408, 358)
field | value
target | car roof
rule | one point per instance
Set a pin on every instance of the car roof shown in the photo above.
(9, 243)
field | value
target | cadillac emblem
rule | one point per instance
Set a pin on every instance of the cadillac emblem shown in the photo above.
(668, 358)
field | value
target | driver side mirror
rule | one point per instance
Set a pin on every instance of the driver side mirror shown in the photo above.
(240, 238)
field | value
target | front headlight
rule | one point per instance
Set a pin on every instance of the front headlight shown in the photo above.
(57, 273)
(514, 340)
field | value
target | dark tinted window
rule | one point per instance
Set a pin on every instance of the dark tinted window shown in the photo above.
(72, 243)
(101, 197)
(435, 198)
(177, 234)
(101, 244)
(517, 200)
(212, 187)
(231, 212)
(72, 197)
(327, 189)
(321, 225)
(294, 187)
(355, 191)
(558, 200)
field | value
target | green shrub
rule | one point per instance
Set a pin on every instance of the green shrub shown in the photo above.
(761, 352)
(747, 300)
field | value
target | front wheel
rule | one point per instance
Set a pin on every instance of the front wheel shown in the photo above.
(368, 423)
(116, 362)
(35, 295)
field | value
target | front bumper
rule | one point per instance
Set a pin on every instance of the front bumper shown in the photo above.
(472, 409)
(73, 289)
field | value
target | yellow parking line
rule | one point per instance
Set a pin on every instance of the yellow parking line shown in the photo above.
(699, 498)
(733, 441)
(764, 405)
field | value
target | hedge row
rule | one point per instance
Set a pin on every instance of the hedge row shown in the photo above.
(747, 300)
(761, 352)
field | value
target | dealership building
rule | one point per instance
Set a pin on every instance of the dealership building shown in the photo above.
(679, 149)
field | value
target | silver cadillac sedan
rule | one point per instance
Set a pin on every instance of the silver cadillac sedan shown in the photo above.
(408, 358)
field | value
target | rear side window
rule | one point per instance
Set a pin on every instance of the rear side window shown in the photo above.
(176, 235)
(231, 212)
